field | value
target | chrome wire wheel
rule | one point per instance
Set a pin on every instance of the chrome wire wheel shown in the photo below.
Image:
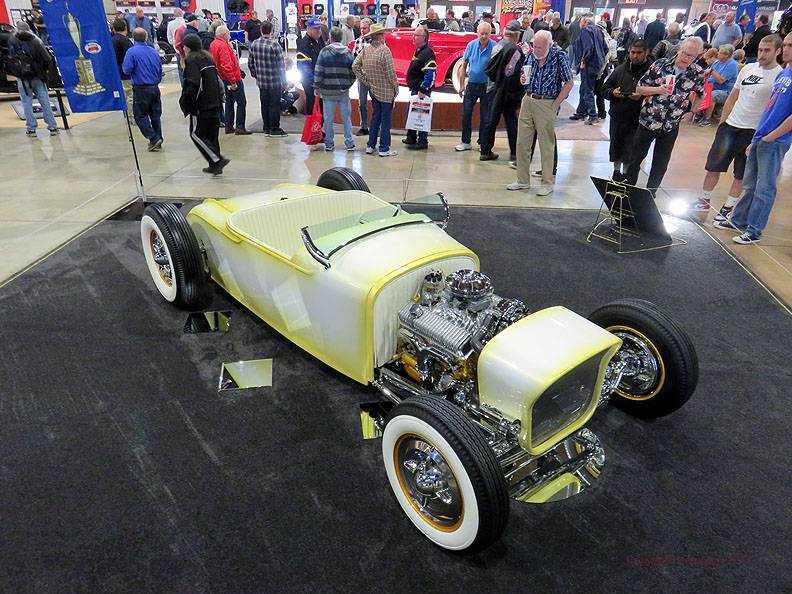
(644, 371)
(161, 257)
(428, 482)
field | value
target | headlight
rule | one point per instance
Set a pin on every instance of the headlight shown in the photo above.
(293, 76)
(565, 401)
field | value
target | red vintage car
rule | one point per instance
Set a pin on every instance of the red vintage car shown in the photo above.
(448, 48)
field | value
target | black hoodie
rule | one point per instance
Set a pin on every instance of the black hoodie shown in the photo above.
(625, 78)
(41, 57)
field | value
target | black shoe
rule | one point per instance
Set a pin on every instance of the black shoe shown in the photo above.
(512, 157)
(602, 116)
(362, 132)
(277, 133)
(218, 167)
(617, 176)
(490, 156)
(418, 146)
(590, 121)
(575, 116)
(408, 141)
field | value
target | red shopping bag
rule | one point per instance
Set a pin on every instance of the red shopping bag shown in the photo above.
(312, 131)
(706, 102)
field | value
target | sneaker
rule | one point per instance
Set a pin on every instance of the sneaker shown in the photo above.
(700, 205)
(575, 116)
(418, 146)
(537, 173)
(463, 146)
(30, 133)
(544, 191)
(513, 164)
(617, 176)
(746, 238)
(490, 156)
(350, 148)
(390, 153)
(725, 224)
(56, 132)
(229, 130)
(277, 133)
(241, 132)
(590, 121)
(518, 186)
(723, 214)
(266, 132)
(155, 146)
(369, 150)
(329, 149)
(362, 132)
(217, 169)
(408, 141)
(704, 123)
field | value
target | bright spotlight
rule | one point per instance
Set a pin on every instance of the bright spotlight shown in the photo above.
(670, 223)
(293, 76)
(678, 207)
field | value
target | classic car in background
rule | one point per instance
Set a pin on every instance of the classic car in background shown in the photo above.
(448, 46)
(482, 399)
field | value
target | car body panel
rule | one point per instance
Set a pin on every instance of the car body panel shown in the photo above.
(328, 312)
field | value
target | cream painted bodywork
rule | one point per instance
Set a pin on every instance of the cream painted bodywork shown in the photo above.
(520, 363)
(344, 315)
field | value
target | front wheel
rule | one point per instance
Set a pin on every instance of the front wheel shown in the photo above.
(341, 179)
(660, 362)
(444, 474)
(456, 74)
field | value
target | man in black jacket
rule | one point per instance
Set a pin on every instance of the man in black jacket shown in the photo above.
(751, 48)
(504, 70)
(625, 104)
(202, 103)
(655, 31)
(420, 80)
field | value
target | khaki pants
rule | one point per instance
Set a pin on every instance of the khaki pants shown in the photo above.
(537, 116)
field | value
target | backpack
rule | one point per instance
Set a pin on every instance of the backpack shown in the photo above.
(21, 64)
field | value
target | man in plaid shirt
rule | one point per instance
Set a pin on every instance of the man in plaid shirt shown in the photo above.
(265, 60)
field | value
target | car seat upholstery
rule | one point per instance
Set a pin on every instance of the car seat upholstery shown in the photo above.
(277, 225)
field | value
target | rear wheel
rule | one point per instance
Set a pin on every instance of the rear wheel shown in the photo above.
(342, 178)
(172, 254)
(661, 365)
(444, 474)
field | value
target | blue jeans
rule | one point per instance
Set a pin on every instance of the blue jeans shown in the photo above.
(38, 89)
(235, 97)
(328, 114)
(759, 186)
(475, 92)
(363, 94)
(588, 84)
(147, 107)
(380, 125)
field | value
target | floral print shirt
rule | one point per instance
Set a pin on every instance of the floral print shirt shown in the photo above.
(663, 112)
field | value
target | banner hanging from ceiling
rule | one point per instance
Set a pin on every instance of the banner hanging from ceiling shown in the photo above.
(81, 41)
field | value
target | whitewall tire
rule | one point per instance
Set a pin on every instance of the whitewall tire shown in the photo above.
(444, 474)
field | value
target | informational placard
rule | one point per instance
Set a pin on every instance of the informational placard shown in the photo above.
(419, 115)
(81, 41)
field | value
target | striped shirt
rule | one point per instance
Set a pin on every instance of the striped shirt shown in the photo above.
(548, 79)
(265, 61)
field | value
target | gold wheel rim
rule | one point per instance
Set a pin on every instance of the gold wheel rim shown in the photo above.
(654, 352)
(398, 465)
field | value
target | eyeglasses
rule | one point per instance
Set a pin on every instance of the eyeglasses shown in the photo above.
(689, 56)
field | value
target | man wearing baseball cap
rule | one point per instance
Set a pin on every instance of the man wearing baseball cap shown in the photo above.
(308, 48)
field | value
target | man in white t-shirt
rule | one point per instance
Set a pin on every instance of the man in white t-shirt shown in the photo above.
(741, 114)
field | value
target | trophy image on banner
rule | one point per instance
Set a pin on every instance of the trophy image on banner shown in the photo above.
(87, 84)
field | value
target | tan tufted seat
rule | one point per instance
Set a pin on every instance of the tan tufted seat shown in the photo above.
(277, 225)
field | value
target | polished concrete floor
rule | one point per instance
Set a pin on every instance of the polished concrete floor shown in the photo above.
(55, 188)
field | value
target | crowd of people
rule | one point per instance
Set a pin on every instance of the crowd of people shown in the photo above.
(653, 75)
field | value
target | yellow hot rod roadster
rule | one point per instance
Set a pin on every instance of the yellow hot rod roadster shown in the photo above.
(483, 400)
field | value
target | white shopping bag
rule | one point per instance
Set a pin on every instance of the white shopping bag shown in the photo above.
(419, 114)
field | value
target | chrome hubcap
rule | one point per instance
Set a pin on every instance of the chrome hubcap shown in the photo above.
(641, 371)
(161, 259)
(428, 481)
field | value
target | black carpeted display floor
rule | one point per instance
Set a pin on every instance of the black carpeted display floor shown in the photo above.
(123, 469)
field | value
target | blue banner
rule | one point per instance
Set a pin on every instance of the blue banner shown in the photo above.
(747, 7)
(80, 38)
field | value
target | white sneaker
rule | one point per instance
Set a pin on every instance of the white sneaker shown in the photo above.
(513, 164)
(369, 150)
(537, 173)
(390, 153)
(544, 191)
(463, 146)
(518, 186)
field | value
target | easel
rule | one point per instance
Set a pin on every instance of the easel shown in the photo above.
(635, 224)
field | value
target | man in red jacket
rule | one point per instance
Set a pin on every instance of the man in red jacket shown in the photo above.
(228, 68)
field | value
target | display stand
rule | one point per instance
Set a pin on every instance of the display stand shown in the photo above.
(628, 217)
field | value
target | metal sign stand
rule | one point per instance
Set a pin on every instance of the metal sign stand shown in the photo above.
(141, 188)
